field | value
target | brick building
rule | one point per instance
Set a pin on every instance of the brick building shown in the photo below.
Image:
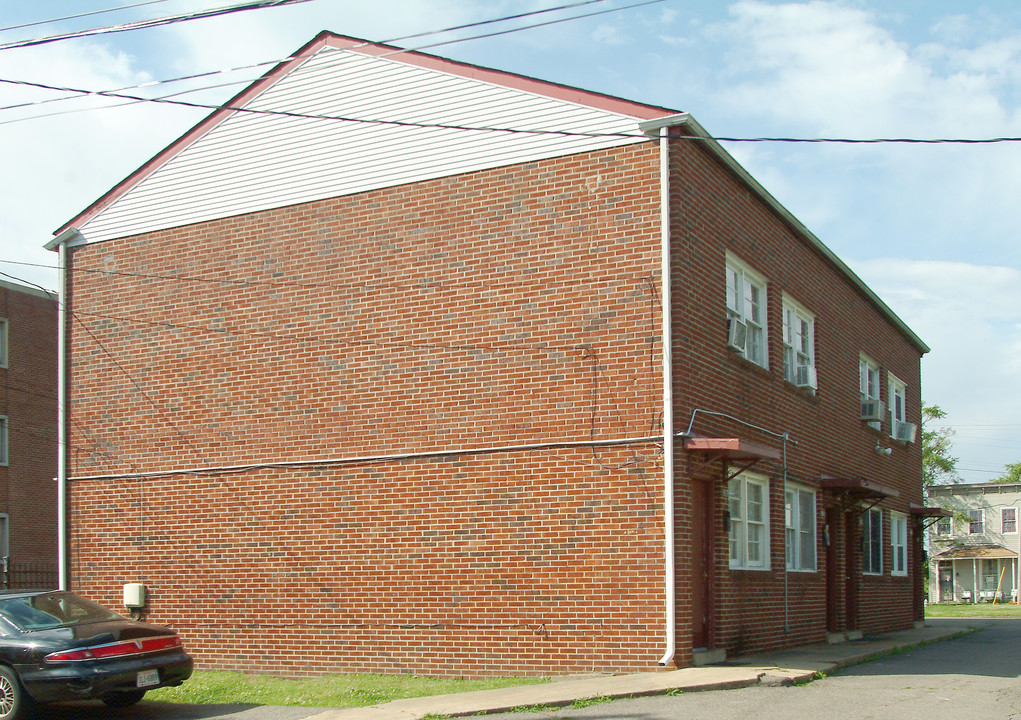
(28, 421)
(374, 380)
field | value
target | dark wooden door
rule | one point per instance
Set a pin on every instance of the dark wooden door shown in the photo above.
(702, 564)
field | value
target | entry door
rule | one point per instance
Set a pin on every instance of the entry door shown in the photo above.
(852, 550)
(946, 581)
(834, 574)
(702, 563)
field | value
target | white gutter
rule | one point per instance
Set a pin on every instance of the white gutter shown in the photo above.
(661, 128)
(60, 244)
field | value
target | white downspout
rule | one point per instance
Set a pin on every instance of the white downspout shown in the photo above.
(62, 418)
(60, 244)
(668, 396)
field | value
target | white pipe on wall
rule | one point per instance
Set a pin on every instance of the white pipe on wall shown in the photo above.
(61, 419)
(669, 550)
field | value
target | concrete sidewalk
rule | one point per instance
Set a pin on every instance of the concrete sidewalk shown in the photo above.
(783, 667)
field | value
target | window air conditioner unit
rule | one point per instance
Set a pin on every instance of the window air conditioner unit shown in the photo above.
(904, 431)
(805, 377)
(872, 410)
(737, 334)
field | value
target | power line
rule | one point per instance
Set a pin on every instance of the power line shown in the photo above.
(519, 131)
(429, 33)
(155, 22)
(81, 15)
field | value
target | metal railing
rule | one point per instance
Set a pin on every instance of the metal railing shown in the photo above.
(26, 575)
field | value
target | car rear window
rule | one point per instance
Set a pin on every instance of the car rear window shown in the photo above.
(51, 610)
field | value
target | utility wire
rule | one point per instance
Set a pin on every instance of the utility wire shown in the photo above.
(78, 92)
(154, 22)
(132, 99)
(521, 131)
(265, 63)
(81, 15)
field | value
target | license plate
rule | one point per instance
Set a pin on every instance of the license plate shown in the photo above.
(148, 678)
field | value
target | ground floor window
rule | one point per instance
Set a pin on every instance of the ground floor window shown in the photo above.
(799, 516)
(872, 542)
(899, 543)
(749, 526)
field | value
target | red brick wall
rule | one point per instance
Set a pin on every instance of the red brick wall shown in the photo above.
(712, 213)
(505, 307)
(512, 306)
(29, 386)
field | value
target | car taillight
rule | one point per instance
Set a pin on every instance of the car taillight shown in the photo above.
(115, 650)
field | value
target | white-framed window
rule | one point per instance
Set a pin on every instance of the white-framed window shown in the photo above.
(944, 526)
(3, 342)
(976, 522)
(868, 384)
(749, 522)
(898, 406)
(746, 303)
(1008, 520)
(798, 345)
(898, 543)
(800, 524)
(872, 542)
(3, 440)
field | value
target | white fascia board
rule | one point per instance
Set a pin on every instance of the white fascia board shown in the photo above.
(72, 236)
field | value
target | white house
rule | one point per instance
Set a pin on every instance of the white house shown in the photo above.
(974, 555)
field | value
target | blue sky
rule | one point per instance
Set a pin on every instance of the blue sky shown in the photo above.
(933, 229)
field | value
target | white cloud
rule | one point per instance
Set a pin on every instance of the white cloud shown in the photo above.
(970, 315)
(832, 69)
(57, 165)
(610, 35)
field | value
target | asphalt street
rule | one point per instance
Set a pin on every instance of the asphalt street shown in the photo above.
(975, 676)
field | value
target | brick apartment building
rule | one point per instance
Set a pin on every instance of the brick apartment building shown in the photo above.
(28, 421)
(374, 380)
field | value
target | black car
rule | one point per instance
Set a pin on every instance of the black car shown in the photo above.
(56, 646)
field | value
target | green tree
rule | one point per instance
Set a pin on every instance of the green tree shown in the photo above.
(939, 467)
(1012, 474)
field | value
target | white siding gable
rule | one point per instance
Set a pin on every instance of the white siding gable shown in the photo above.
(251, 162)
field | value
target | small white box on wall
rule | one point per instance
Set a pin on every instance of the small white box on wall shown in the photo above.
(134, 595)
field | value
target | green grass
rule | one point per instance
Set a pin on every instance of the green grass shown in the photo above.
(975, 610)
(339, 691)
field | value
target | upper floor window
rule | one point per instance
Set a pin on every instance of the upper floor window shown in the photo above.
(799, 516)
(943, 526)
(872, 542)
(976, 524)
(798, 345)
(899, 543)
(746, 311)
(748, 498)
(3, 441)
(900, 428)
(3, 342)
(1008, 517)
(868, 384)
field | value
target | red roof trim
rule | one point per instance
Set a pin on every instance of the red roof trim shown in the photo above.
(331, 40)
(501, 77)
